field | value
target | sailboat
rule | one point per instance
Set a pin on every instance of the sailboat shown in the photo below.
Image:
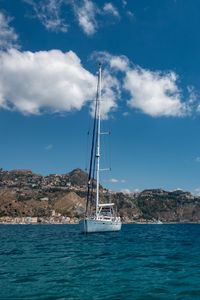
(99, 217)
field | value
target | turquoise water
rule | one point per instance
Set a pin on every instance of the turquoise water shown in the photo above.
(140, 262)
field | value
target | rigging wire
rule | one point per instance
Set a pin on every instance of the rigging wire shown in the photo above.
(106, 151)
(86, 154)
(88, 140)
(92, 154)
(109, 149)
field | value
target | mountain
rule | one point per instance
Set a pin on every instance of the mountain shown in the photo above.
(78, 177)
(24, 193)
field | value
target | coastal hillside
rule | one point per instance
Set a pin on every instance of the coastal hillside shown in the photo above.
(62, 197)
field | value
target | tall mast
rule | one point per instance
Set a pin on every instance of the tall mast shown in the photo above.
(98, 136)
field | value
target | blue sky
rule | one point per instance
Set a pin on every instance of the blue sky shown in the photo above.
(150, 52)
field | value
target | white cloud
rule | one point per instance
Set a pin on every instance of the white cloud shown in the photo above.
(198, 108)
(193, 95)
(125, 191)
(152, 92)
(86, 16)
(197, 159)
(124, 3)
(113, 180)
(128, 191)
(130, 14)
(177, 189)
(49, 14)
(86, 12)
(109, 8)
(197, 191)
(110, 93)
(52, 81)
(45, 80)
(8, 36)
(49, 147)
(119, 62)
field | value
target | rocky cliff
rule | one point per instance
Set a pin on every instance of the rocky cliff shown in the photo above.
(23, 193)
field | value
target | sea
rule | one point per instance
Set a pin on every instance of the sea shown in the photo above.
(143, 262)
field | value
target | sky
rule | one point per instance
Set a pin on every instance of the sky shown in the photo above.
(149, 50)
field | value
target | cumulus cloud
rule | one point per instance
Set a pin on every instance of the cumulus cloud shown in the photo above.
(52, 81)
(119, 62)
(49, 14)
(110, 93)
(45, 80)
(154, 93)
(8, 36)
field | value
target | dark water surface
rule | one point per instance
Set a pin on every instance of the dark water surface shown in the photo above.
(140, 262)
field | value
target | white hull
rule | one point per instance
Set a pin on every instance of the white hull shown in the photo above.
(94, 225)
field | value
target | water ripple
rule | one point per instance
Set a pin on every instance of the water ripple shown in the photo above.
(140, 262)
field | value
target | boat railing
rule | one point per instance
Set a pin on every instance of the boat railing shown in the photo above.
(108, 218)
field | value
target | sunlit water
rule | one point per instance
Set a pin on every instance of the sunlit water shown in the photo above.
(140, 262)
